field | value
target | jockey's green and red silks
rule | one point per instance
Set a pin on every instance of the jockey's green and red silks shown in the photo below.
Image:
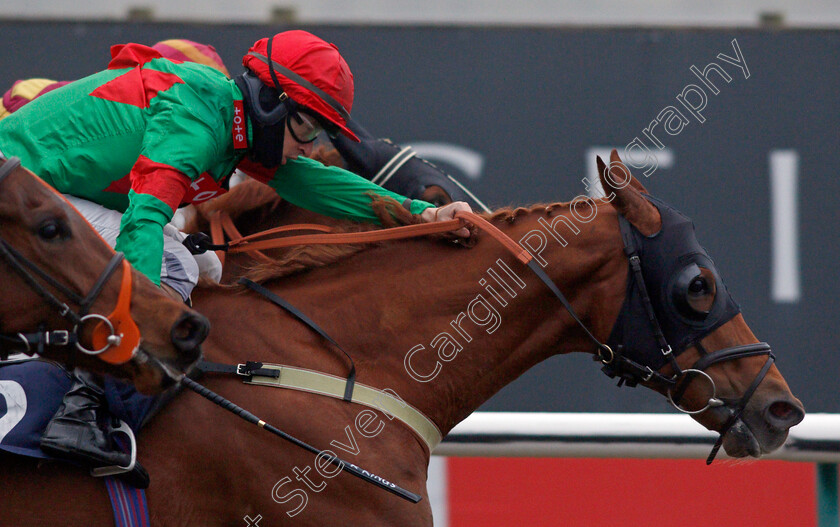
(148, 134)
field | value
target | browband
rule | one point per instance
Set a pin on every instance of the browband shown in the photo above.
(9, 166)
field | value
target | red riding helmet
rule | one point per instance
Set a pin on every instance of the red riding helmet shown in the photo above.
(310, 71)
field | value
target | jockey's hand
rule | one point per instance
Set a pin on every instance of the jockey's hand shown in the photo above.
(446, 213)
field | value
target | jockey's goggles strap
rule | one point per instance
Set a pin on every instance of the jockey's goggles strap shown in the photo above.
(294, 77)
(351, 377)
(274, 77)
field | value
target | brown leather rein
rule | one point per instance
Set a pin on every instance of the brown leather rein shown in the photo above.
(221, 224)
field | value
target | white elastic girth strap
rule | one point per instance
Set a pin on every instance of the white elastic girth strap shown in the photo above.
(333, 386)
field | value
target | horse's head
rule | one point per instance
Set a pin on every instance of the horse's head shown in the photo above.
(67, 296)
(435, 195)
(691, 343)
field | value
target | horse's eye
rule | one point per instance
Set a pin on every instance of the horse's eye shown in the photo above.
(694, 292)
(698, 286)
(52, 229)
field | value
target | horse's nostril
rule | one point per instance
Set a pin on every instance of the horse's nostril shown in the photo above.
(189, 332)
(784, 414)
(781, 410)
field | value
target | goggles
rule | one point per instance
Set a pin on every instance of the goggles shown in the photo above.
(304, 129)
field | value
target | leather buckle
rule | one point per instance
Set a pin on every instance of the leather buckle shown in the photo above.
(59, 337)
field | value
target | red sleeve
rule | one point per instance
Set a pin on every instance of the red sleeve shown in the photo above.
(159, 180)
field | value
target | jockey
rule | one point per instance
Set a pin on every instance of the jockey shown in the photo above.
(149, 134)
(387, 164)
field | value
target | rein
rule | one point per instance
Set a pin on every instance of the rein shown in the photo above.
(615, 364)
(221, 222)
(114, 338)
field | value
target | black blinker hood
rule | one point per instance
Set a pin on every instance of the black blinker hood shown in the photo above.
(662, 257)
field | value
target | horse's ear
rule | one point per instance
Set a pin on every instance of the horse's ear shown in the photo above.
(615, 161)
(628, 199)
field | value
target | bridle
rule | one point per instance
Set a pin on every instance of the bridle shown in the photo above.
(114, 339)
(618, 364)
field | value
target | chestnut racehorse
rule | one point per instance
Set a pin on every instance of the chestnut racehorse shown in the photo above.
(443, 334)
(61, 280)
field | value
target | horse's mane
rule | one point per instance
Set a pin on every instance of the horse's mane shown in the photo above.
(303, 257)
(391, 214)
(511, 214)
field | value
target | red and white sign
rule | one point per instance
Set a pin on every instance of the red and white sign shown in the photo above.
(240, 128)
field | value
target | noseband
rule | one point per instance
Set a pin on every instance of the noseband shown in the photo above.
(114, 338)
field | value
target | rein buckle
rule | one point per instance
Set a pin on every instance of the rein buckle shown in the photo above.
(62, 340)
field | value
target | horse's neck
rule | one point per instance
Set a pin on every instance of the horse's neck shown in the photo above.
(445, 327)
(499, 336)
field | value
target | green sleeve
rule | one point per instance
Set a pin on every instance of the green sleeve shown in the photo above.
(332, 191)
(141, 233)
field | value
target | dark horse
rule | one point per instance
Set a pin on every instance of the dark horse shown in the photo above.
(62, 283)
(444, 334)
